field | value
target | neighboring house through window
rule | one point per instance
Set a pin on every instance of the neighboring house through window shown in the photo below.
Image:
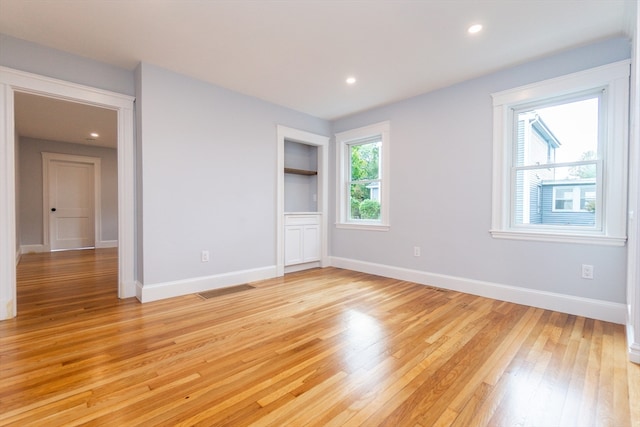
(363, 170)
(560, 158)
(551, 195)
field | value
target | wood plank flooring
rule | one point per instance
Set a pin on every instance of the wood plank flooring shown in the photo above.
(324, 347)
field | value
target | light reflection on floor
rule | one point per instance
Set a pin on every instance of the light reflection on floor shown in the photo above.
(366, 346)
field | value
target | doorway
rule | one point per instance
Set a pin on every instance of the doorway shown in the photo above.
(13, 82)
(66, 142)
(321, 202)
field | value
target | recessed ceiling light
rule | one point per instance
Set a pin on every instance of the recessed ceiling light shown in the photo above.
(351, 80)
(94, 135)
(476, 28)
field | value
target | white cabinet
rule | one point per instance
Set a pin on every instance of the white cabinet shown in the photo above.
(301, 238)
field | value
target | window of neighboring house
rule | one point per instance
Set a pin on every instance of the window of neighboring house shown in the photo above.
(560, 158)
(574, 199)
(588, 199)
(363, 168)
(563, 198)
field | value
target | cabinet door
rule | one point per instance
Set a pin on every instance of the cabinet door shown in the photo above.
(311, 243)
(293, 235)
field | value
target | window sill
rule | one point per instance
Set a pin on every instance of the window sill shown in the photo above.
(559, 237)
(363, 226)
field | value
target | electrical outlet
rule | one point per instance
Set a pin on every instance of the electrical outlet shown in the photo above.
(416, 251)
(204, 257)
(587, 271)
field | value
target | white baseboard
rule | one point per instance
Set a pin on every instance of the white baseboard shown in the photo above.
(7, 309)
(586, 307)
(157, 291)
(128, 290)
(27, 249)
(138, 291)
(107, 244)
(632, 346)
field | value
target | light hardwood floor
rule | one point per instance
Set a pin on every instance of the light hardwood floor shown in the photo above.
(324, 348)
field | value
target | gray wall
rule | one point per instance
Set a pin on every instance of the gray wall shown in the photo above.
(30, 186)
(208, 174)
(34, 58)
(441, 170)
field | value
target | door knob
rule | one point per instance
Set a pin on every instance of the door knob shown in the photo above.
(53, 209)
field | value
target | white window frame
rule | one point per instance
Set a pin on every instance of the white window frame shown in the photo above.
(343, 141)
(614, 78)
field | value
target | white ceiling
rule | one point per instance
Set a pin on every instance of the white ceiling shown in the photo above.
(57, 120)
(298, 53)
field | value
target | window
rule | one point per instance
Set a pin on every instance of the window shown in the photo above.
(563, 199)
(560, 151)
(574, 199)
(363, 169)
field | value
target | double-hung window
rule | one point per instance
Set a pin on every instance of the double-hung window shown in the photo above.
(560, 158)
(363, 177)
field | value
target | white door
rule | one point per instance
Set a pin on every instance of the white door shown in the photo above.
(71, 205)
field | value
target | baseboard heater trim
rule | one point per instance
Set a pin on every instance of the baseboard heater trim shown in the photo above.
(224, 291)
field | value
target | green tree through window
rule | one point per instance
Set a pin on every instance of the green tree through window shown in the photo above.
(365, 180)
(584, 171)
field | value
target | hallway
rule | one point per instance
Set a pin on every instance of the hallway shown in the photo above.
(63, 283)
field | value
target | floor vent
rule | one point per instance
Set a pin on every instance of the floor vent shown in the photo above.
(224, 291)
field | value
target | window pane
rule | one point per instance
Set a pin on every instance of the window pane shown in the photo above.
(559, 134)
(565, 193)
(563, 205)
(588, 199)
(364, 201)
(549, 196)
(365, 161)
(528, 197)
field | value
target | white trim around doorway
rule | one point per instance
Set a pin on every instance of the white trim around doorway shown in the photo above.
(322, 142)
(12, 81)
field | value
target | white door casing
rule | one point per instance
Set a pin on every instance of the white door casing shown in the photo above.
(12, 81)
(71, 201)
